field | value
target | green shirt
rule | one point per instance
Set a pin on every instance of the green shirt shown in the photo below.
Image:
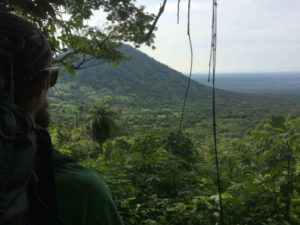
(83, 197)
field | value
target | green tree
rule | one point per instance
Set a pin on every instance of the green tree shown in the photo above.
(181, 145)
(262, 174)
(101, 123)
(65, 25)
(280, 153)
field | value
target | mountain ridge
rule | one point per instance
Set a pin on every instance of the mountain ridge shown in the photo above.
(148, 94)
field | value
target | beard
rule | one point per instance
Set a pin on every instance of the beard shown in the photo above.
(42, 117)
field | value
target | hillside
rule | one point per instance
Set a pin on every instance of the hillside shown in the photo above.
(140, 79)
(149, 95)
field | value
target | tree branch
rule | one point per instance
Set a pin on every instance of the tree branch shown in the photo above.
(90, 66)
(77, 51)
(160, 12)
(61, 59)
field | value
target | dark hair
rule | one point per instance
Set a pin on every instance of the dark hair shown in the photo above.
(22, 44)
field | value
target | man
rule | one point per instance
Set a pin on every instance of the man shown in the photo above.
(82, 196)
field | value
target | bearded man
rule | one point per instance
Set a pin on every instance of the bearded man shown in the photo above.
(76, 194)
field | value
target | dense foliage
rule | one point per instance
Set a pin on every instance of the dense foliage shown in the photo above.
(164, 178)
(66, 26)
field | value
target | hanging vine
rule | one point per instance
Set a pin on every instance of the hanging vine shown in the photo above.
(191, 65)
(212, 66)
(178, 11)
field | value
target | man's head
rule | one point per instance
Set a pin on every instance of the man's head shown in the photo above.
(24, 47)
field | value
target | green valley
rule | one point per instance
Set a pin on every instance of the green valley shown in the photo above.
(149, 95)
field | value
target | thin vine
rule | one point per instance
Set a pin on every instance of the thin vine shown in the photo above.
(178, 11)
(191, 65)
(212, 65)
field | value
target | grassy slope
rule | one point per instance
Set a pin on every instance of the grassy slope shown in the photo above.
(148, 96)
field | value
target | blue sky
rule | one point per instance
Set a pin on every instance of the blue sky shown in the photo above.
(253, 35)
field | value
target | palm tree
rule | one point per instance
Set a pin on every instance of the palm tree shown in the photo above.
(101, 123)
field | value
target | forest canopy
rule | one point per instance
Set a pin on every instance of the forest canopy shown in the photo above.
(66, 28)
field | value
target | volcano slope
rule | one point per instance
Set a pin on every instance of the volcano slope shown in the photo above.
(148, 96)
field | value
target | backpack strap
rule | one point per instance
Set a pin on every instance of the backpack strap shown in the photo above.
(45, 169)
(43, 200)
(59, 158)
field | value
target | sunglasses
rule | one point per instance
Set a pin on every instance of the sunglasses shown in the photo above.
(53, 70)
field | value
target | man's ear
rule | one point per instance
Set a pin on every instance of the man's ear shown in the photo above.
(42, 85)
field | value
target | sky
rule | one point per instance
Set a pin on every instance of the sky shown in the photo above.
(253, 35)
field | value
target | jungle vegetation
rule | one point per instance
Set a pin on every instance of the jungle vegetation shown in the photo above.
(161, 176)
(165, 178)
(158, 175)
